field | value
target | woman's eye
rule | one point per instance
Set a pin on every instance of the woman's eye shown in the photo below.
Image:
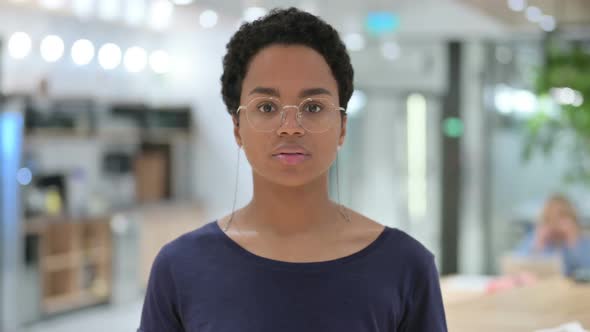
(266, 108)
(313, 108)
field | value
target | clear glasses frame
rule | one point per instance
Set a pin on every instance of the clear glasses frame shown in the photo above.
(306, 123)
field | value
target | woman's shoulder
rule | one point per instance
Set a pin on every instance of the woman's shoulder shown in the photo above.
(403, 254)
(192, 242)
(408, 251)
(397, 244)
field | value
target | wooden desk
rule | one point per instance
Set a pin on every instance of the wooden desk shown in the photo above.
(546, 304)
(160, 224)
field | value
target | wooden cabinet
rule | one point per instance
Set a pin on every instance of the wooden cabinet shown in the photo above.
(151, 176)
(75, 264)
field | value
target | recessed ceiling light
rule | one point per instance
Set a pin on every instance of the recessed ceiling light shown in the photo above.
(19, 45)
(135, 59)
(517, 5)
(534, 14)
(82, 52)
(109, 56)
(548, 23)
(208, 18)
(354, 41)
(52, 48)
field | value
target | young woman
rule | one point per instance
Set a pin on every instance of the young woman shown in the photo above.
(291, 259)
(558, 233)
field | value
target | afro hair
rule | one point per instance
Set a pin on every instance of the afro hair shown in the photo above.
(284, 27)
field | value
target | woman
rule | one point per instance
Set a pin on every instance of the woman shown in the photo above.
(558, 233)
(291, 259)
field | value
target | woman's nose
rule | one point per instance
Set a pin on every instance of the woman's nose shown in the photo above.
(290, 123)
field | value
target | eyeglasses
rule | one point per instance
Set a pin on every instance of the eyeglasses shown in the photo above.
(315, 115)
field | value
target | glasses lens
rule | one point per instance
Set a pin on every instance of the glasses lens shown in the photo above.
(318, 114)
(264, 114)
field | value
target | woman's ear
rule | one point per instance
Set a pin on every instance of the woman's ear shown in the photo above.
(342, 130)
(237, 135)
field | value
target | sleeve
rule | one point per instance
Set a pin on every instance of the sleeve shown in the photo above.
(160, 307)
(578, 257)
(525, 246)
(425, 310)
(583, 250)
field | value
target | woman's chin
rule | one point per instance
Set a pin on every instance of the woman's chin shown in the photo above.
(289, 179)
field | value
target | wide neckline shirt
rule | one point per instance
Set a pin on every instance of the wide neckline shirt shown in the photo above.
(204, 281)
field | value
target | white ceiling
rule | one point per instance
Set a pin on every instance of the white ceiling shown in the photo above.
(420, 19)
(567, 12)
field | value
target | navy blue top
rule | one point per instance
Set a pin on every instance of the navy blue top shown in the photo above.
(204, 281)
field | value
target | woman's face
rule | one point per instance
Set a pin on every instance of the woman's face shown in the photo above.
(561, 221)
(291, 74)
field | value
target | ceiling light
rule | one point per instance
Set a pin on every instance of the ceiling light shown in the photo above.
(109, 56)
(354, 41)
(390, 50)
(517, 5)
(19, 45)
(253, 13)
(534, 14)
(52, 48)
(135, 59)
(82, 52)
(548, 23)
(208, 19)
(161, 14)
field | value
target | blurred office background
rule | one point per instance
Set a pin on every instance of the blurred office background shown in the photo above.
(114, 138)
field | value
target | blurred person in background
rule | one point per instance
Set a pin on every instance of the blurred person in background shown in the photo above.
(291, 259)
(558, 233)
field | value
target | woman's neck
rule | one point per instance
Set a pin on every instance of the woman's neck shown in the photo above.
(280, 210)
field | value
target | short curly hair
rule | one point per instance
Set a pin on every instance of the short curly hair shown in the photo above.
(284, 27)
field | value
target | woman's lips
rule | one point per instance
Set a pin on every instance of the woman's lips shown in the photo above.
(291, 158)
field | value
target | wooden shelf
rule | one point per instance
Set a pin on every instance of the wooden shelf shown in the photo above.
(37, 225)
(75, 263)
(40, 133)
(71, 301)
(98, 254)
(61, 262)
